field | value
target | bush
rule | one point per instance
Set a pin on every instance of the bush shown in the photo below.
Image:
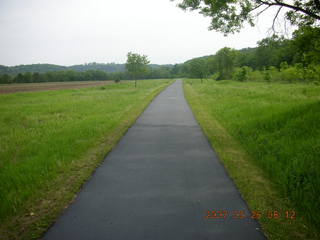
(241, 74)
(312, 74)
(266, 75)
(287, 73)
(256, 76)
(214, 76)
(291, 74)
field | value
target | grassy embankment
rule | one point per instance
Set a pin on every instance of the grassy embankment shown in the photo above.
(52, 141)
(267, 135)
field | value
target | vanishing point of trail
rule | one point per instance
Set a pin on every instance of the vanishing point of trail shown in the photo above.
(158, 183)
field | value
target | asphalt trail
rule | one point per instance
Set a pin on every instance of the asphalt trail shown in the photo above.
(158, 183)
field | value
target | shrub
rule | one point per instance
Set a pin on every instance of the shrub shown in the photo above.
(312, 74)
(241, 74)
(266, 75)
(214, 76)
(256, 76)
(291, 74)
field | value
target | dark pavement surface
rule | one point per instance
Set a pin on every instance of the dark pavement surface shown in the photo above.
(158, 183)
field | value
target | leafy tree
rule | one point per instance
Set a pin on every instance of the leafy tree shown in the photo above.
(198, 68)
(229, 16)
(266, 75)
(306, 43)
(212, 64)
(242, 74)
(5, 78)
(19, 78)
(136, 65)
(226, 59)
(176, 70)
(247, 57)
(272, 51)
(284, 66)
(36, 77)
(27, 77)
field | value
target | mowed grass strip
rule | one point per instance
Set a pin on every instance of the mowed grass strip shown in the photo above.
(51, 142)
(267, 135)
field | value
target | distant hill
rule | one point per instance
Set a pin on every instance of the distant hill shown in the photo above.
(107, 67)
(42, 68)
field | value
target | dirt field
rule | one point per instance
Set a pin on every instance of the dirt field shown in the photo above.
(32, 87)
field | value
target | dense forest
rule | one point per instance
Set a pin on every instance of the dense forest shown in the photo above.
(274, 59)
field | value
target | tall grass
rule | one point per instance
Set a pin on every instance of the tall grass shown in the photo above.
(43, 134)
(278, 125)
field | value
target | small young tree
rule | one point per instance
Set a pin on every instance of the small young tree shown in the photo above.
(136, 65)
(241, 74)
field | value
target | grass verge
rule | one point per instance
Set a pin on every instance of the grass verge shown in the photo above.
(250, 124)
(51, 142)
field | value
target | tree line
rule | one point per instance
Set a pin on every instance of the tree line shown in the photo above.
(89, 75)
(276, 58)
(43, 68)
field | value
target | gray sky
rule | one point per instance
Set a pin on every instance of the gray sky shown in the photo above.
(68, 32)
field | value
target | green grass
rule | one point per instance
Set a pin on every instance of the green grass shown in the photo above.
(51, 142)
(268, 137)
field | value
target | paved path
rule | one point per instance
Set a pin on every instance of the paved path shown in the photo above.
(158, 183)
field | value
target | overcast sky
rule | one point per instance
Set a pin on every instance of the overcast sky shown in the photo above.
(68, 32)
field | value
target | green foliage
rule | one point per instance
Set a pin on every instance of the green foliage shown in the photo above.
(162, 72)
(284, 66)
(91, 75)
(242, 74)
(247, 57)
(229, 16)
(266, 75)
(272, 51)
(225, 60)
(106, 67)
(275, 59)
(5, 78)
(312, 74)
(291, 74)
(214, 76)
(197, 68)
(306, 43)
(43, 68)
(294, 73)
(256, 76)
(85, 72)
(136, 64)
